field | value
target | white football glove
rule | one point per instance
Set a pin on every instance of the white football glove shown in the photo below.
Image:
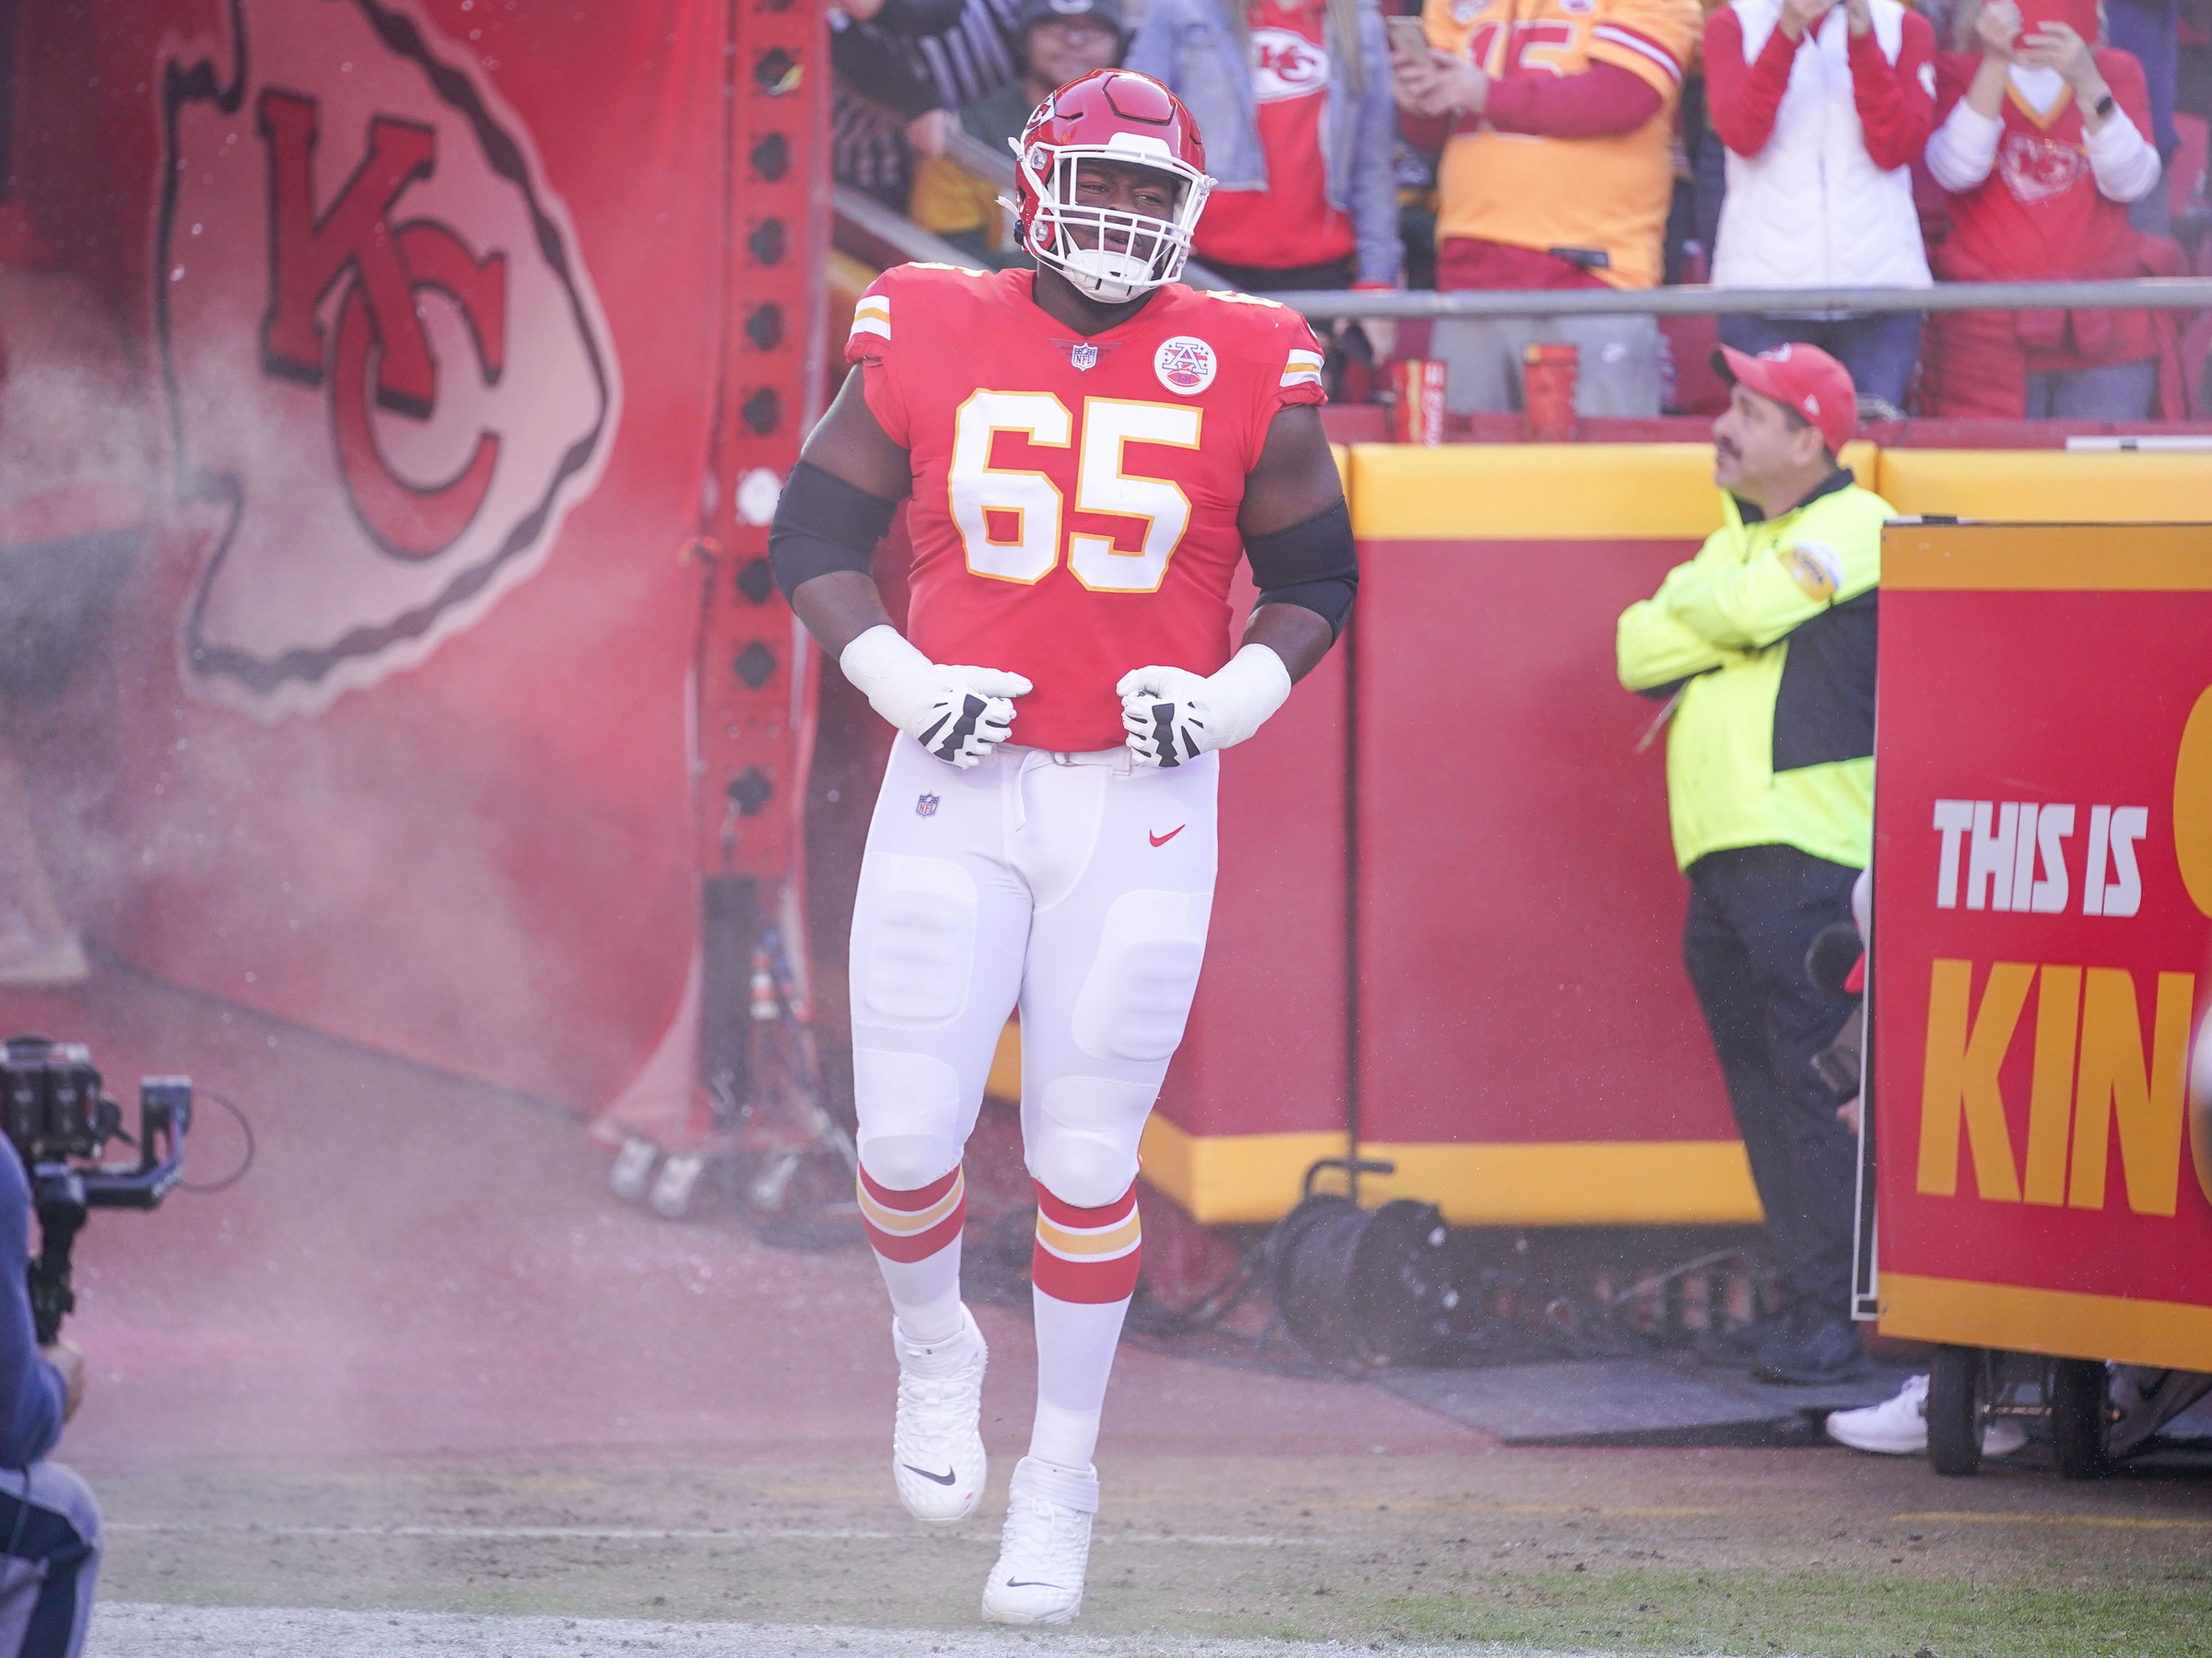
(960, 715)
(1173, 715)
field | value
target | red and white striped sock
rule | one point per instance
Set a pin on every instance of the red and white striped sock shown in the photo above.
(1084, 1271)
(916, 1236)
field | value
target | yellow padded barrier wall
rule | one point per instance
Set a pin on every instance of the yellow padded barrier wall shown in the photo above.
(2048, 487)
(1543, 491)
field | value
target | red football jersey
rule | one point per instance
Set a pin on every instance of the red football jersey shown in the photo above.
(2040, 215)
(1075, 500)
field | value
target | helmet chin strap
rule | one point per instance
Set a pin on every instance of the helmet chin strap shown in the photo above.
(1097, 273)
(1107, 278)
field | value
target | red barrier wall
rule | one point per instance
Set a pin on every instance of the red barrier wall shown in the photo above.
(1527, 1048)
(1263, 1065)
(1519, 915)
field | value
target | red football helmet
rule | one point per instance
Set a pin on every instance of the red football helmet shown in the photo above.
(1110, 115)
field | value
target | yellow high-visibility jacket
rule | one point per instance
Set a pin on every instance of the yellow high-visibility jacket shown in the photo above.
(1768, 638)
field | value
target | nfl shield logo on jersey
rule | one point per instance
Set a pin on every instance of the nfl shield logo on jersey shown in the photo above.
(926, 806)
(1082, 357)
(1184, 365)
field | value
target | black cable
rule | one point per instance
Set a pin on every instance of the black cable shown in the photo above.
(245, 1162)
(1215, 1304)
(1660, 1279)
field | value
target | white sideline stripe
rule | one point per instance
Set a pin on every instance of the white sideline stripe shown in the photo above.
(621, 1534)
(143, 1630)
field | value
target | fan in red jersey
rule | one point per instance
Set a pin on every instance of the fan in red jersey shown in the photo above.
(1089, 449)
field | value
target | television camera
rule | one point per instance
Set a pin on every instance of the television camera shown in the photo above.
(60, 1121)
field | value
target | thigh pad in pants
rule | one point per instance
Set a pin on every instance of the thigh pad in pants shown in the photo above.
(1093, 1093)
(915, 942)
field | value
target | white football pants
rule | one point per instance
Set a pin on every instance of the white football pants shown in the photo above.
(1079, 885)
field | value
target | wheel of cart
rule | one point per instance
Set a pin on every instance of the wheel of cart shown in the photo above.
(1959, 1394)
(2082, 1419)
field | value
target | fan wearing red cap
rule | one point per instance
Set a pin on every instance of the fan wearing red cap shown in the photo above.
(1760, 650)
(1761, 450)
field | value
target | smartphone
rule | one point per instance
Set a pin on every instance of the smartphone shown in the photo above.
(1409, 37)
(2080, 15)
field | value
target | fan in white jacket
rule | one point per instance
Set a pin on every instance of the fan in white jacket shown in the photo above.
(1823, 106)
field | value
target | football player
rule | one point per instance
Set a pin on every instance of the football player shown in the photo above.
(1088, 449)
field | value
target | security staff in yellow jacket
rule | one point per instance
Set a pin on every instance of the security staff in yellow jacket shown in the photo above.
(1762, 647)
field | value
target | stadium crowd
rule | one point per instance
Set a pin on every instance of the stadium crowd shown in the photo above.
(1623, 143)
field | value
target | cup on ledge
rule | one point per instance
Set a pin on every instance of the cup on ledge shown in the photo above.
(1417, 406)
(1548, 372)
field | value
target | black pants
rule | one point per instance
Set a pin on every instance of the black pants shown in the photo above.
(49, 1562)
(1753, 912)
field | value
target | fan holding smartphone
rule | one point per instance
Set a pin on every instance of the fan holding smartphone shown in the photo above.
(1556, 122)
(2040, 144)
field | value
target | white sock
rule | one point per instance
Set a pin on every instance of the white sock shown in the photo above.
(925, 1295)
(916, 1236)
(1075, 1342)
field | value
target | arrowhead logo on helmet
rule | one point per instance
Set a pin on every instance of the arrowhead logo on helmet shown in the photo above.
(1109, 117)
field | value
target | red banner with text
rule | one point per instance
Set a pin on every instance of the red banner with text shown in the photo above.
(2044, 939)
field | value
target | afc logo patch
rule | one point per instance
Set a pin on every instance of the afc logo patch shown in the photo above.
(926, 806)
(385, 359)
(1184, 365)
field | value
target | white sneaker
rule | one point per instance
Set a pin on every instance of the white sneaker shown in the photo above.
(1899, 1427)
(1047, 1545)
(937, 1458)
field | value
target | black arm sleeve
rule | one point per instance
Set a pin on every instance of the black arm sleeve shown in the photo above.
(822, 524)
(1312, 565)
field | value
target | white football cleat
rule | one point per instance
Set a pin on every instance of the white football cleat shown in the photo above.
(1898, 1426)
(1047, 1545)
(937, 1458)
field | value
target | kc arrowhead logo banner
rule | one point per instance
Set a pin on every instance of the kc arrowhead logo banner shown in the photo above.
(381, 349)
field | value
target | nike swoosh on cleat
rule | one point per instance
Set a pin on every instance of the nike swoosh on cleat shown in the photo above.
(1025, 1583)
(944, 1478)
(1161, 840)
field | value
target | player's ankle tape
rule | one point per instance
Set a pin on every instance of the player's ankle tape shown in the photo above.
(912, 1225)
(1087, 1254)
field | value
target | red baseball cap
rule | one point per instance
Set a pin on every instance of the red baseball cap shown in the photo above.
(1803, 377)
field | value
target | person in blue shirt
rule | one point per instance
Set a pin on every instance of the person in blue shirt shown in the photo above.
(51, 1524)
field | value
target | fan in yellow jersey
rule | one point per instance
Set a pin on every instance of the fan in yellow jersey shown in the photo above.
(1558, 120)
